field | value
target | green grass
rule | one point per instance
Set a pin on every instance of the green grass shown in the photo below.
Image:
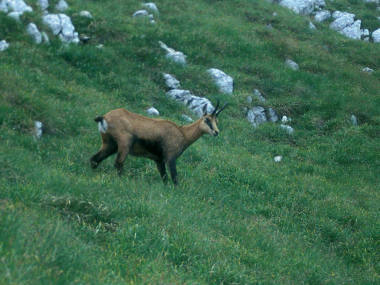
(237, 217)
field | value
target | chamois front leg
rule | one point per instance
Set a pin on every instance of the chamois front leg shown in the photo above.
(173, 170)
(108, 148)
(161, 168)
(123, 147)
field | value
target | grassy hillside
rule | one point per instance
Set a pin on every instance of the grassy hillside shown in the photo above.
(237, 217)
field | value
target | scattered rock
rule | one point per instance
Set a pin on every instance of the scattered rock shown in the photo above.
(249, 99)
(303, 7)
(15, 6)
(376, 36)
(194, 103)
(151, 6)
(258, 95)
(277, 158)
(44, 4)
(353, 31)
(153, 111)
(38, 129)
(222, 80)
(186, 118)
(367, 69)
(100, 46)
(354, 120)
(3, 45)
(171, 82)
(33, 31)
(256, 116)
(312, 26)
(85, 14)
(287, 128)
(61, 25)
(285, 119)
(62, 6)
(272, 115)
(171, 54)
(15, 15)
(291, 64)
(322, 16)
(342, 20)
(141, 13)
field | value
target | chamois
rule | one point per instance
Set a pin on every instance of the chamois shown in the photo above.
(163, 141)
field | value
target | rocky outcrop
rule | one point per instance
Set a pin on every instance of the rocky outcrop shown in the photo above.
(61, 25)
(376, 36)
(256, 116)
(224, 82)
(173, 55)
(303, 7)
(14, 5)
(171, 82)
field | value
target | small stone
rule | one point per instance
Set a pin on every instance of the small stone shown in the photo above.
(292, 64)
(272, 115)
(38, 129)
(256, 116)
(278, 158)
(258, 95)
(249, 99)
(367, 69)
(100, 46)
(153, 111)
(287, 128)
(274, 14)
(44, 4)
(33, 31)
(85, 14)
(354, 120)
(3, 45)
(141, 13)
(15, 15)
(62, 6)
(151, 6)
(376, 36)
(222, 80)
(285, 119)
(173, 55)
(312, 26)
(171, 82)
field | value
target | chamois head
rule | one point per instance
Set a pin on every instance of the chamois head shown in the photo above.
(209, 121)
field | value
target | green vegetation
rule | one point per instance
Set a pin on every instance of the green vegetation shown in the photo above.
(237, 217)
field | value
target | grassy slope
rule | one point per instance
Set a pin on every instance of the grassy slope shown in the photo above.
(237, 217)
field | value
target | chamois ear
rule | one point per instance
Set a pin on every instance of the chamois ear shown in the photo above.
(204, 109)
(221, 109)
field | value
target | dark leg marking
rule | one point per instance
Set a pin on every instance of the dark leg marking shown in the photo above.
(173, 171)
(161, 168)
(101, 155)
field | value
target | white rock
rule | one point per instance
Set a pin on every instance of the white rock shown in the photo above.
(33, 31)
(272, 115)
(62, 6)
(321, 16)
(342, 20)
(45, 37)
(353, 31)
(367, 69)
(224, 82)
(312, 26)
(3, 45)
(285, 119)
(278, 158)
(274, 14)
(171, 82)
(376, 36)
(100, 46)
(256, 116)
(291, 64)
(141, 13)
(287, 128)
(173, 55)
(38, 129)
(151, 6)
(85, 14)
(153, 111)
(303, 7)
(258, 95)
(194, 103)
(186, 118)
(61, 25)
(44, 4)
(15, 6)
(249, 99)
(15, 15)
(365, 32)
(354, 120)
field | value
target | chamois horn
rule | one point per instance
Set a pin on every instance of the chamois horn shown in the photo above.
(216, 108)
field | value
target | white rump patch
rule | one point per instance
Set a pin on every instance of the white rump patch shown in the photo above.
(103, 126)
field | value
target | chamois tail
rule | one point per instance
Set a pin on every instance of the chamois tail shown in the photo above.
(102, 124)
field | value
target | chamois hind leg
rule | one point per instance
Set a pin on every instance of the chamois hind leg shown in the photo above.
(161, 168)
(108, 148)
(123, 147)
(173, 170)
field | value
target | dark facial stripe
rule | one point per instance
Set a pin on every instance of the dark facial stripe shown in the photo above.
(208, 122)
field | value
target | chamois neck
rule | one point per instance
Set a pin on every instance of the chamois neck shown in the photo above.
(192, 132)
